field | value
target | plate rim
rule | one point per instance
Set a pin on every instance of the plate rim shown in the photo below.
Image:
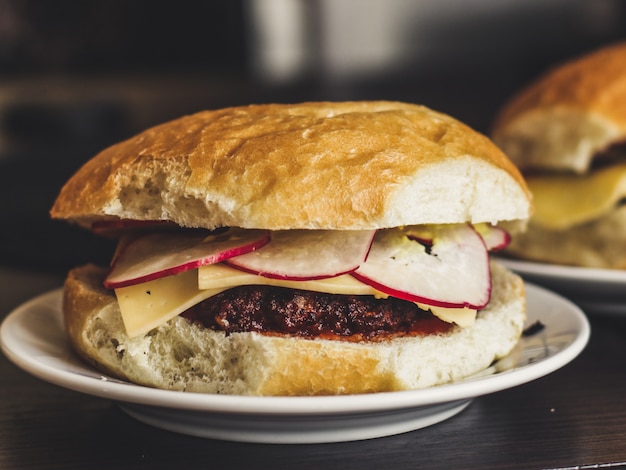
(564, 272)
(116, 390)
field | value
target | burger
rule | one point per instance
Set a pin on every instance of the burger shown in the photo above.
(305, 249)
(566, 131)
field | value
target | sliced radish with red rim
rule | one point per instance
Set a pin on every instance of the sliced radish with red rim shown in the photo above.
(158, 255)
(307, 254)
(453, 272)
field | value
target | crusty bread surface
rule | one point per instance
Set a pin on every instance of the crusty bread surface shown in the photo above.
(563, 119)
(182, 356)
(350, 165)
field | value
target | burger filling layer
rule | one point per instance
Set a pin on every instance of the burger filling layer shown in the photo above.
(402, 281)
(283, 311)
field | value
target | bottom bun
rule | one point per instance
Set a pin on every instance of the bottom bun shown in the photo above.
(596, 244)
(180, 355)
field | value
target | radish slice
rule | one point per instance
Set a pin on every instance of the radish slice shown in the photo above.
(453, 272)
(163, 254)
(307, 254)
(495, 238)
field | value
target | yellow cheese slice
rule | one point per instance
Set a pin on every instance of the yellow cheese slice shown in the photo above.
(464, 317)
(150, 304)
(146, 306)
(220, 276)
(564, 201)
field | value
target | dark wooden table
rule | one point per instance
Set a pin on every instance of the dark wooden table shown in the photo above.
(574, 418)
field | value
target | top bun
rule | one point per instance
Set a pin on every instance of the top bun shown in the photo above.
(566, 117)
(353, 165)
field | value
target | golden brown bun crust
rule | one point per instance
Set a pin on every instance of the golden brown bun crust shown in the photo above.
(351, 165)
(595, 82)
(182, 356)
(562, 119)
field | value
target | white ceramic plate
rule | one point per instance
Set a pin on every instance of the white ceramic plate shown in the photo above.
(32, 337)
(596, 290)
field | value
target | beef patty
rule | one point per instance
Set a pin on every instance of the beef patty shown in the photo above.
(282, 311)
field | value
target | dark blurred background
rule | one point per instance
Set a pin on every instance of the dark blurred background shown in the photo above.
(76, 76)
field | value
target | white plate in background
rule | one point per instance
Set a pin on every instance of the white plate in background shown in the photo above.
(596, 290)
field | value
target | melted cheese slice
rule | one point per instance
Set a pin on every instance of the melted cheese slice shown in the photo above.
(464, 317)
(564, 201)
(150, 304)
(220, 276)
(146, 306)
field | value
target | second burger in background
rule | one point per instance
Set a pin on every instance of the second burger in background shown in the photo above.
(567, 133)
